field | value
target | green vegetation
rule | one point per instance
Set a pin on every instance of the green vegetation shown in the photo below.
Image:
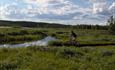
(58, 58)
(111, 23)
(17, 35)
(85, 36)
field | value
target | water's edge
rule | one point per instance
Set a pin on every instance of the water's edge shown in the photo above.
(43, 42)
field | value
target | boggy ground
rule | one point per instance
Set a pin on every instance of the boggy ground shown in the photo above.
(85, 36)
(58, 58)
(53, 57)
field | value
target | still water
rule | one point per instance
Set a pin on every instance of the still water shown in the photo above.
(43, 42)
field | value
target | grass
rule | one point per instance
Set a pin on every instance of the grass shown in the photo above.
(58, 58)
(20, 35)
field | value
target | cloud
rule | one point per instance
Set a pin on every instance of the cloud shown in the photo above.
(112, 8)
(4, 11)
(44, 1)
(99, 7)
(94, 1)
(102, 7)
(57, 9)
(45, 9)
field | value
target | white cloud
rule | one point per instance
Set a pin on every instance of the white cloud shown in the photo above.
(99, 7)
(102, 7)
(95, 1)
(4, 11)
(56, 9)
(112, 8)
(44, 2)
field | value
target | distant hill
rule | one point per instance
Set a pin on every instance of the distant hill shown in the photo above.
(47, 25)
(30, 24)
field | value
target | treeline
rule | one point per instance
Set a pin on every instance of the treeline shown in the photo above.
(49, 25)
(98, 27)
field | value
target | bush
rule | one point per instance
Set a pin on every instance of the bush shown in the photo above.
(111, 22)
(2, 35)
(67, 52)
(55, 43)
(8, 66)
(107, 53)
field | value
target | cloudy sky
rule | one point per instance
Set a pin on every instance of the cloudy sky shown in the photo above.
(59, 11)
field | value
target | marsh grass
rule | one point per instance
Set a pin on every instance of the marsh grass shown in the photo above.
(53, 57)
(18, 35)
(58, 58)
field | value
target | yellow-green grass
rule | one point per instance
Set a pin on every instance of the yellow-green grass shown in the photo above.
(58, 58)
(84, 36)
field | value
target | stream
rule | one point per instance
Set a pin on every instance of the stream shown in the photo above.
(43, 42)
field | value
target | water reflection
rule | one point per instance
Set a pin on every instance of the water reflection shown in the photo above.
(43, 42)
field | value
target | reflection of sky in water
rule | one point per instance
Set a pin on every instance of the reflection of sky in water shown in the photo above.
(43, 42)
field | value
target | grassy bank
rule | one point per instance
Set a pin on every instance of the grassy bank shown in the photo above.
(58, 58)
(19, 35)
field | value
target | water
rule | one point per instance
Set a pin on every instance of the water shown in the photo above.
(43, 42)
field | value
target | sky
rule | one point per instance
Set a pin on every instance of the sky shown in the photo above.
(58, 11)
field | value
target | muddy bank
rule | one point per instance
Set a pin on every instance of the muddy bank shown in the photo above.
(77, 44)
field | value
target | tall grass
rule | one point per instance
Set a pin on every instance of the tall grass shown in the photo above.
(58, 58)
(20, 35)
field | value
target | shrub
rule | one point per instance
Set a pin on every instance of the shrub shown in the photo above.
(67, 52)
(2, 35)
(8, 66)
(111, 22)
(107, 53)
(55, 43)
